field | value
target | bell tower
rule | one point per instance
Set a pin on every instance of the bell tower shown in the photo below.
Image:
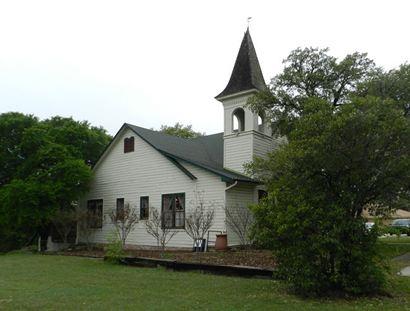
(246, 134)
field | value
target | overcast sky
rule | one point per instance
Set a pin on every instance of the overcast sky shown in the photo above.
(160, 62)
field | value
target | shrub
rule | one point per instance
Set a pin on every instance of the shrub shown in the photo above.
(393, 230)
(319, 251)
(113, 250)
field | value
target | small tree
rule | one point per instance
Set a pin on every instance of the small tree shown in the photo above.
(64, 221)
(240, 219)
(114, 250)
(86, 220)
(200, 219)
(155, 228)
(124, 220)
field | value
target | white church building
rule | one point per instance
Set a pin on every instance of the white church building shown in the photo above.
(151, 170)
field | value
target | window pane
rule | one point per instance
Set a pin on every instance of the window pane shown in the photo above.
(120, 204)
(120, 209)
(167, 219)
(179, 219)
(129, 144)
(179, 202)
(94, 213)
(173, 209)
(126, 145)
(167, 203)
(144, 208)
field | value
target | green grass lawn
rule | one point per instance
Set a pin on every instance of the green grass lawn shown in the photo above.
(393, 246)
(40, 282)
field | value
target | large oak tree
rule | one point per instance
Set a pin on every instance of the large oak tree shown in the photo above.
(347, 148)
(45, 166)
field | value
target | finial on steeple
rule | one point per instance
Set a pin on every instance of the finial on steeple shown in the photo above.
(249, 19)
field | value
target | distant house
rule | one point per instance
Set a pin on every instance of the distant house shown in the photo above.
(149, 169)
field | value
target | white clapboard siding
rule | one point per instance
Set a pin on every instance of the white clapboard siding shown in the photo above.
(146, 172)
(237, 151)
(262, 145)
(237, 197)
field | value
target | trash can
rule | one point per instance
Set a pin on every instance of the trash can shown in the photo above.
(199, 245)
(221, 242)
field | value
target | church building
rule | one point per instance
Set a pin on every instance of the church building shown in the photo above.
(151, 170)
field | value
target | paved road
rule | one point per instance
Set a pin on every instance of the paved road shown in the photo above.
(406, 257)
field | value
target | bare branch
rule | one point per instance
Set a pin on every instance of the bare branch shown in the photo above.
(154, 227)
(124, 219)
(240, 220)
(200, 219)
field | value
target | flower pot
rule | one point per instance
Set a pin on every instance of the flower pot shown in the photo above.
(221, 242)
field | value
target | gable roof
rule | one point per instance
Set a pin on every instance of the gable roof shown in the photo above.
(246, 74)
(205, 152)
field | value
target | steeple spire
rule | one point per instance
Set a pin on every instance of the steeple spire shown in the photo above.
(246, 74)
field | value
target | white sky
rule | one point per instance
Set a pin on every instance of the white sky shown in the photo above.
(160, 62)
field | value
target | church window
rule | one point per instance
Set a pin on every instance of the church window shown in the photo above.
(238, 120)
(120, 209)
(173, 211)
(129, 144)
(94, 213)
(144, 208)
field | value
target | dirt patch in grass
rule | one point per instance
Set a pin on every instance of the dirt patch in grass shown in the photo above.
(253, 258)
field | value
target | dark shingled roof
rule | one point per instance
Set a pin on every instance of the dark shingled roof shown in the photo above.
(205, 151)
(246, 74)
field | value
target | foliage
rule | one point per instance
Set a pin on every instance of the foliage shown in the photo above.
(160, 233)
(114, 250)
(45, 168)
(319, 250)
(348, 148)
(12, 130)
(200, 218)
(124, 219)
(310, 72)
(394, 84)
(334, 165)
(84, 141)
(393, 230)
(240, 219)
(181, 131)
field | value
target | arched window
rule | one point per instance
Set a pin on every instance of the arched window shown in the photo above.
(238, 120)
(261, 121)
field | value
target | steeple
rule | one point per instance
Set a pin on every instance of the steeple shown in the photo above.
(246, 74)
(247, 134)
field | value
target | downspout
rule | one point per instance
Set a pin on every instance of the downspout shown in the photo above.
(231, 186)
(228, 188)
(209, 231)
